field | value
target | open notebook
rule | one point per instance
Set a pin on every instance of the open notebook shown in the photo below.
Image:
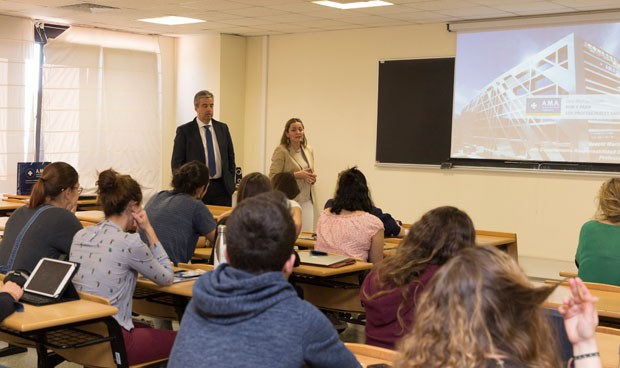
(330, 260)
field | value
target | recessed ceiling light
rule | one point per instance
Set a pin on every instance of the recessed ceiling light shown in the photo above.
(356, 5)
(171, 20)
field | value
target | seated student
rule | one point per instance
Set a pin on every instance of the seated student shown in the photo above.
(245, 313)
(286, 183)
(480, 310)
(10, 293)
(110, 259)
(46, 225)
(252, 184)
(348, 227)
(391, 228)
(391, 291)
(598, 253)
(179, 216)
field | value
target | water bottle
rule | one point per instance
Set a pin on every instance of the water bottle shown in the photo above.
(220, 246)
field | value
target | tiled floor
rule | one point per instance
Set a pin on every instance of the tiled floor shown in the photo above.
(536, 268)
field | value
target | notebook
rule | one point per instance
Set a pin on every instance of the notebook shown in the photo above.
(49, 282)
(330, 260)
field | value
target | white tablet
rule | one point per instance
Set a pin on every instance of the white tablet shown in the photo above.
(50, 277)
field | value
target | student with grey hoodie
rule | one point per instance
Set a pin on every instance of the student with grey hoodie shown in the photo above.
(245, 313)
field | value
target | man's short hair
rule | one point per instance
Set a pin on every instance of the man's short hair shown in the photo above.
(201, 94)
(260, 234)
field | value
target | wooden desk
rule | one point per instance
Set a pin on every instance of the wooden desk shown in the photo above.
(608, 347)
(164, 302)
(9, 206)
(319, 271)
(504, 241)
(203, 253)
(180, 288)
(87, 202)
(218, 210)
(306, 240)
(36, 318)
(368, 354)
(333, 288)
(608, 305)
(94, 216)
(66, 328)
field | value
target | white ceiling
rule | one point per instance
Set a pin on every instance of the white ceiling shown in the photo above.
(271, 17)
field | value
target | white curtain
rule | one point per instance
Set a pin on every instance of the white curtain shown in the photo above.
(18, 83)
(102, 105)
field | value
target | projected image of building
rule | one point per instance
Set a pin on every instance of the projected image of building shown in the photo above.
(561, 104)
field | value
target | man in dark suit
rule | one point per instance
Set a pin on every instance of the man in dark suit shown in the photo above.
(208, 141)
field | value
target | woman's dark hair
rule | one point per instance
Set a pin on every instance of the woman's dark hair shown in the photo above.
(285, 182)
(251, 185)
(352, 193)
(260, 233)
(55, 178)
(115, 191)
(189, 177)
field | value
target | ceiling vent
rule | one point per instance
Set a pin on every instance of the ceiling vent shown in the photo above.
(89, 7)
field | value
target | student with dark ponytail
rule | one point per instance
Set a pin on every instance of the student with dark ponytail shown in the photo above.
(46, 225)
(111, 259)
(179, 216)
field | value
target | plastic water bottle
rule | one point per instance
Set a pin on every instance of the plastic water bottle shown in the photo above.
(220, 246)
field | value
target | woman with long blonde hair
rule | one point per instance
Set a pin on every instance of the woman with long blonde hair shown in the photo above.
(391, 291)
(480, 310)
(598, 252)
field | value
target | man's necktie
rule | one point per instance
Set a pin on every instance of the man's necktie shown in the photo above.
(210, 152)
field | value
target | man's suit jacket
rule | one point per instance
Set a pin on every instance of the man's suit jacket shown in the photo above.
(188, 147)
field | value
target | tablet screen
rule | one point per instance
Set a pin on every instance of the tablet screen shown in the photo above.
(49, 277)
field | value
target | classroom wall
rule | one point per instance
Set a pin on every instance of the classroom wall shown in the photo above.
(329, 80)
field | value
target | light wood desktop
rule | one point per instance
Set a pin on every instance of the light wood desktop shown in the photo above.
(85, 203)
(304, 269)
(47, 326)
(36, 318)
(504, 241)
(368, 354)
(608, 341)
(10, 206)
(218, 210)
(332, 288)
(203, 253)
(179, 288)
(608, 305)
(94, 216)
(165, 302)
(320, 271)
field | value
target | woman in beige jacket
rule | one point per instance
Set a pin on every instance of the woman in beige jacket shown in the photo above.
(295, 156)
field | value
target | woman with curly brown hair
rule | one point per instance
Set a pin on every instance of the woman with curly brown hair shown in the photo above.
(480, 310)
(390, 292)
(598, 253)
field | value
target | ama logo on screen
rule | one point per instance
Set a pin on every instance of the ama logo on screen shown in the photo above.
(545, 106)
